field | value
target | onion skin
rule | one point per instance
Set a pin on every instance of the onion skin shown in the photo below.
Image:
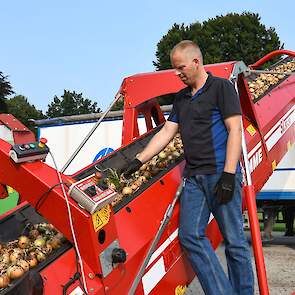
(55, 243)
(127, 190)
(23, 242)
(32, 262)
(40, 242)
(24, 265)
(15, 272)
(5, 258)
(34, 233)
(40, 256)
(4, 280)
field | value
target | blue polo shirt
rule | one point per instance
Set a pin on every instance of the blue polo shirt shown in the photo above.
(201, 124)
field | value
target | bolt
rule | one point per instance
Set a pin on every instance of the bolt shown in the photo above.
(91, 276)
(91, 290)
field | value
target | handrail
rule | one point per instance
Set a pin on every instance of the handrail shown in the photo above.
(271, 55)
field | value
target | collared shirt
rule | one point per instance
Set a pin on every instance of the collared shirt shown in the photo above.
(201, 124)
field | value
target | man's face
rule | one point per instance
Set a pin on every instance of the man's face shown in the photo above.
(185, 67)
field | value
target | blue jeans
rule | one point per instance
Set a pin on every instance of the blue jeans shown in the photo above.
(196, 204)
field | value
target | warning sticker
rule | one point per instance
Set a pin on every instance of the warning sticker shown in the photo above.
(180, 290)
(251, 129)
(101, 217)
(77, 291)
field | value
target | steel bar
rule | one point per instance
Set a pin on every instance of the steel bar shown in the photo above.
(253, 218)
(248, 71)
(151, 250)
(117, 97)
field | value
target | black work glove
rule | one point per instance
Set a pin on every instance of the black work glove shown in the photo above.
(132, 167)
(225, 187)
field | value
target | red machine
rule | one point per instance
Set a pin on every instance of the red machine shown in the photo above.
(129, 227)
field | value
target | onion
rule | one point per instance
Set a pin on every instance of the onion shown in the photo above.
(32, 262)
(60, 236)
(23, 264)
(176, 154)
(40, 256)
(48, 248)
(143, 167)
(143, 179)
(15, 272)
(112, 186)
(127, 190)
(23, 242)
(5, 257)
(15, 255)
(55, 243)
(170, 158)
(98, 175)
(34, 233)
(161, 165)
(40, 242)
(147, 174)
(134, 186)
(4, 280)
(138, 182)
(171, 147)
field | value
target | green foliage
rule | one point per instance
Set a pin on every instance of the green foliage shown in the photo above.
(118, 106)
(223, 38)
(23, 110)
(5, 90)
(71, 103)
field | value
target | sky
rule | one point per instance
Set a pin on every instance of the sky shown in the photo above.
(90, 46)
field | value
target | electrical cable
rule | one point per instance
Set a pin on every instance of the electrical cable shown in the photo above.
(71, 222)
(45, 194)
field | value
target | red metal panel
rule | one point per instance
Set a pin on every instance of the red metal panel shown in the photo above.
(21, 134)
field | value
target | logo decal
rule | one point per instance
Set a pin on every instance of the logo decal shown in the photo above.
(102, 153)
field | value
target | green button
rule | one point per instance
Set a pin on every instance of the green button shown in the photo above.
(32, 146)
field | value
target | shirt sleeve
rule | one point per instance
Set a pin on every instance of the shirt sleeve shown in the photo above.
(228, 100)
(173, 117)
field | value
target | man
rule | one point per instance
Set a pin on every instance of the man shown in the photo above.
(207, 114)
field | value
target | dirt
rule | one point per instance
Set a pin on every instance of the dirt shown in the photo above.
(279, 257)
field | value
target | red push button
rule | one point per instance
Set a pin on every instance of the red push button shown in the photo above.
(42, 142)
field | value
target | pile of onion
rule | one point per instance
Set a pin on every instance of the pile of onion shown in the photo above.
(263, 81)
(18, 256)
(158, 163)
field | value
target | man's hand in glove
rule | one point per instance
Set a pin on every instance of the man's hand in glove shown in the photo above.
(132, 167)
(225, 187)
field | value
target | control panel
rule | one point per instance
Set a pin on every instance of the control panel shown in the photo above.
(28, 152)
(91, 195)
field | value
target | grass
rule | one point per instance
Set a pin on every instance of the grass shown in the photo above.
(279, 225)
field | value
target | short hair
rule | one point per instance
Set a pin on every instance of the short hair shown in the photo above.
(186, 45)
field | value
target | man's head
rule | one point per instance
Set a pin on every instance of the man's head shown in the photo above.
(186, 58)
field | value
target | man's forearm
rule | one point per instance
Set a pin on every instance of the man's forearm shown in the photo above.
(233, 150)
(156, 144)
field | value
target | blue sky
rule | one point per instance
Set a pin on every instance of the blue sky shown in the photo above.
(90, 46)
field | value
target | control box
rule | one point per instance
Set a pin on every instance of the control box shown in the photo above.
(28, 152)
(91, 196)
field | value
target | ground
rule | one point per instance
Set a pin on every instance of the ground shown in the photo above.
(279, 256)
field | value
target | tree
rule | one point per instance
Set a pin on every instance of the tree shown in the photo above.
(71, 103)
(5, 90)
(223, 38)
(23, 110)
